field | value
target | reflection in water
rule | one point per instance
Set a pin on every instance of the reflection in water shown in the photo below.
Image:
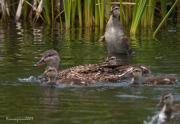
(37, 34)
(157, 119)
(20, 47)
(29, 79)
(20, 30)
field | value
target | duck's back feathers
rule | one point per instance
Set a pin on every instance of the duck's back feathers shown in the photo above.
(91, 73)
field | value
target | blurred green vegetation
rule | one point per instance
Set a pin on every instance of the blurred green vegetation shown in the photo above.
(91, 13)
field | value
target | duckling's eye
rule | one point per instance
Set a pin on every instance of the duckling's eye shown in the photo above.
(166, 97)
(116, 7)
(136, 70)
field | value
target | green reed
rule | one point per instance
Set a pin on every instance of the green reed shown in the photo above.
(151, 10)
(148, 14)
(139, 9)
(101, 13)
(164, 19)
(25, 12)
(79, 12)
(52, 11)
(67, 12)
(88, 13)
(47, 7)
(72, 12)
(121, 12)
(96, 18)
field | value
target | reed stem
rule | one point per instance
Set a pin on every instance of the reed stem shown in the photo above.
(164, 19)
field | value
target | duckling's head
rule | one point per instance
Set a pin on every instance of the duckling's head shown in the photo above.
(166, 99)
(111, 60)
(137, 73)
(50, 58)
(115, 11)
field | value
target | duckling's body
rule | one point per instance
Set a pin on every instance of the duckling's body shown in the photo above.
(108, 71)
(51, 74)
(162, 80)
(138, 78)
(117, 42)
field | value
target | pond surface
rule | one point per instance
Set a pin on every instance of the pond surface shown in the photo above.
(32, 103)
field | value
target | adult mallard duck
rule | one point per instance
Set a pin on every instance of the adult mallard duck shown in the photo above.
(138, 78)
(108, 71)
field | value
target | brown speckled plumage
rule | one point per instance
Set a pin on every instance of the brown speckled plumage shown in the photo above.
(108, 71)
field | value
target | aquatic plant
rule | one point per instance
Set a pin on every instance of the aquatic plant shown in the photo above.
(138, 12)
(164, 19)
(89, 13)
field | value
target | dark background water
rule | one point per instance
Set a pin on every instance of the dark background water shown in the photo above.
(20, 48)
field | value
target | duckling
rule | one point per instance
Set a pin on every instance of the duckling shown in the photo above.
(111, 61)
(138, 78)
(117, 42)
(51, 74)
(168, 108)
(87, 74)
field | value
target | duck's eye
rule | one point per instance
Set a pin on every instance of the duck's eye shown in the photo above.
(115, 8)
(166, 97)
(136, 70)
(50, 55)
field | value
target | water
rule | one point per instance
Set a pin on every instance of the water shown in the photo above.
(23, 99)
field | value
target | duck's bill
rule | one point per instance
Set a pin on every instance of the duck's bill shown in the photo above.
(40, 63)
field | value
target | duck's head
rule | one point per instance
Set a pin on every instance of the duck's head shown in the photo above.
(166, 99)
(111, 60)
(137, 73)
(115, 11)
(50, 58)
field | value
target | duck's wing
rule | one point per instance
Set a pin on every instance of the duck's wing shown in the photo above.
(176, 108)
(81, 69)
(92, 73)
(124, 41)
